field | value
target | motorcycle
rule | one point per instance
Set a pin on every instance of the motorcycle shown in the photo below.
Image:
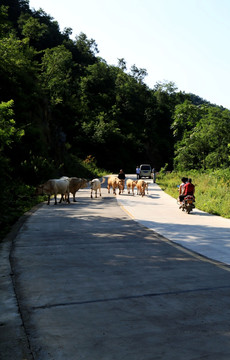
(188, 203)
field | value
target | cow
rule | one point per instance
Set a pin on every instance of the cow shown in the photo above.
(96, 185)
(115, 183)
(141, 186)
(130, 184)
(121, 185)
(54, 187)
(75, 184)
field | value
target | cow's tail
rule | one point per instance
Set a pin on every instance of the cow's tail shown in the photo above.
(103, 180)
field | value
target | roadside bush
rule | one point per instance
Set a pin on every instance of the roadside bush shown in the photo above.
(87, 168)
(16, 200)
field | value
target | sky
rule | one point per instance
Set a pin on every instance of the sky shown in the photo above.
(180, 41)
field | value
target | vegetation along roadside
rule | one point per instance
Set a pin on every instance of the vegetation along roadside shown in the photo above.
(83, 115)
(212, 188)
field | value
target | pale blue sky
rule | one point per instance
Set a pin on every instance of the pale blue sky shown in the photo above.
(184, 41)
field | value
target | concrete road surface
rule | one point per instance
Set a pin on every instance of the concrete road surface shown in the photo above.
(206, 234)
(92, 283)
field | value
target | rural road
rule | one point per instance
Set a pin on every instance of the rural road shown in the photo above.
(206, 234)
(106, 279)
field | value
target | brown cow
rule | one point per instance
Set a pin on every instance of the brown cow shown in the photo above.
(76, 184)
(130, 184)
(121, 186)
(141, 186)
(115, 183)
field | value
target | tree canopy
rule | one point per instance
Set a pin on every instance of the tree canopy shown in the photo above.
(61, 102)
(203, 137)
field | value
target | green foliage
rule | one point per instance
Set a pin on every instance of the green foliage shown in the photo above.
(56, 73)
(87, 47)
(8, 132)
(15, 57)
(86, 168)
(15, 201)
(38, 169)
(138, 74)
(186, 116)
(69, 103)
(163, 170)
(31, 28)
(204, 137)
(4, 22)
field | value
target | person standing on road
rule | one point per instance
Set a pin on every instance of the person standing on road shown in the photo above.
(154, 175)
(121, 177)
(138, 172)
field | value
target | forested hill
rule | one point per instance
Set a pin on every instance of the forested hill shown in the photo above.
(62, 104)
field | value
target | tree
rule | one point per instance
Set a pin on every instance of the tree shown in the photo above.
(205, 146)
(86, 50)
(51, 34)
(185, 117)
(56, 73)
(138, 74)
(4, 22)
(15, 8)
(122, 64)
(8, 132)
(166, 87)
(31, 28)
(167, 98)
(17, 68)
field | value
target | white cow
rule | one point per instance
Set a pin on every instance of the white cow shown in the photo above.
(96, 185)
(54, 187)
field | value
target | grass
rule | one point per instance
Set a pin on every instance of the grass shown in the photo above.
(212, 189)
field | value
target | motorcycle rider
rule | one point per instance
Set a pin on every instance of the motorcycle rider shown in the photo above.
(189, 188)
(181, 189)
(187, 202)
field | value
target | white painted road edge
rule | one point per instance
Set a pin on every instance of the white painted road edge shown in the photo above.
(206, 234)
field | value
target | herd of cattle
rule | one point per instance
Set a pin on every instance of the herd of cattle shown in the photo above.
(65, 185)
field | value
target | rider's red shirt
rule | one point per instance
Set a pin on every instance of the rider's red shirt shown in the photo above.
(189, 189)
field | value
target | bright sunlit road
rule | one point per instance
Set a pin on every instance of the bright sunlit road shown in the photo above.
(198, 231)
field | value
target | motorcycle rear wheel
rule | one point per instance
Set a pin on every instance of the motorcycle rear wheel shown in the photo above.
(189, 209)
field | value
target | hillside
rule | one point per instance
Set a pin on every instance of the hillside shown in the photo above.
(65, 111)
